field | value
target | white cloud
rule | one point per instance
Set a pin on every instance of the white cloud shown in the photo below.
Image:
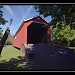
(26, 13)
(24, 10)
(9, 9)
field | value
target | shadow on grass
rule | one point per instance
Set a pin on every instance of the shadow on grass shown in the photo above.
(13, 64)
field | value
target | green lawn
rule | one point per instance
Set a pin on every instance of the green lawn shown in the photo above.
(12, 59)
(72, 48)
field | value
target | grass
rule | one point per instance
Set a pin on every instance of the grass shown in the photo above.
(72, 48)
(12, 59)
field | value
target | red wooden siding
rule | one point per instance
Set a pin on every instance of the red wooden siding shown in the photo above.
(18, 39)
(25, 31)
(21, 36)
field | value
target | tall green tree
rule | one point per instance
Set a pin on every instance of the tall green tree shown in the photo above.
(2, 20)
(59, 13)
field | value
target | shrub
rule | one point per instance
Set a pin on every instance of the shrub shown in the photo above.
(64, 36)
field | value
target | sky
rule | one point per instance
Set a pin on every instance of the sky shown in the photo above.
(18, 13)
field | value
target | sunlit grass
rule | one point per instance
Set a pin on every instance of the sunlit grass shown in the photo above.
(9, 52)
(72, 48)
(12, 59)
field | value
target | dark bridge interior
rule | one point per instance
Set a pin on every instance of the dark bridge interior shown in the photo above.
(36, 32)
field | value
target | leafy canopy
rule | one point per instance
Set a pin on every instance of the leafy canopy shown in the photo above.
(2, 20)
(59, 13)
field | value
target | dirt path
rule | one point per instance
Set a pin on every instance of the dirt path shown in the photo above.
(52, 57)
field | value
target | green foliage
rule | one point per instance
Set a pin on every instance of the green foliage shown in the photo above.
(9, 40)
(59, 13)
(1, 34)
(2, 20)
(64, 36)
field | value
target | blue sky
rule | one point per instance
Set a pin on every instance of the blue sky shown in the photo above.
(18, 13)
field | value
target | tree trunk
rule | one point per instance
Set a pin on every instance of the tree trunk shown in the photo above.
(3, 40)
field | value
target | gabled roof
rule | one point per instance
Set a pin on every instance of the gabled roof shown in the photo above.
(34, 18)
(27, 21)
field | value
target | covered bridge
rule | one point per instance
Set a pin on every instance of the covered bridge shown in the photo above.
(33, 31)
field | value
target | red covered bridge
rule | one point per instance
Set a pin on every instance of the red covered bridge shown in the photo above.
(33, 31)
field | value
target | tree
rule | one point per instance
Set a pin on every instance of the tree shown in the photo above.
(3, 40)
(5, 36)
(59, 13)
(9, 41)
(1, 33)
(2, 20)
(64, 36)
